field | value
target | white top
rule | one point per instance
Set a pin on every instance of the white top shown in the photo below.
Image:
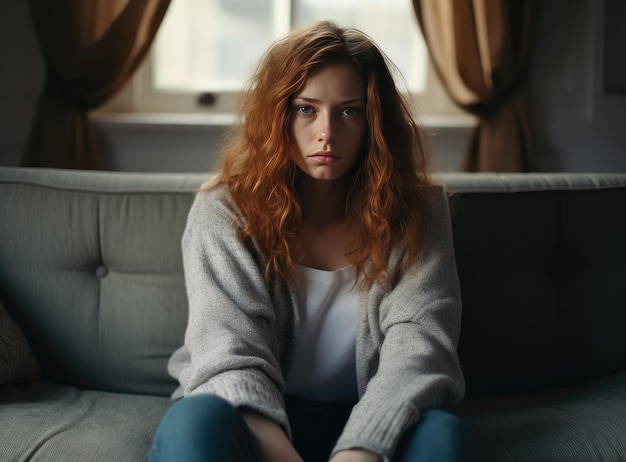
(324, 366)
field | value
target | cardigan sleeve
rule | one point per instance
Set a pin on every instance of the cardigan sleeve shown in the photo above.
(230, 347)
(418, 325)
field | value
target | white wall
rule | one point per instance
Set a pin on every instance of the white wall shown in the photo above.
(577, 126)
(159, 146)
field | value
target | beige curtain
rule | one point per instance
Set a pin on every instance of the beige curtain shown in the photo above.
(91, 48)
(481, 50)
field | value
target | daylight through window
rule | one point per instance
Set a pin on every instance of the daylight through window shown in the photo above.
(214, 45)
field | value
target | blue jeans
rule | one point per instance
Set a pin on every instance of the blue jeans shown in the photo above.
(207, 428)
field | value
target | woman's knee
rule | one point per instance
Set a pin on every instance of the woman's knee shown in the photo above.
(444, 422)
(202, 427)
(200, 413)
(439, 435)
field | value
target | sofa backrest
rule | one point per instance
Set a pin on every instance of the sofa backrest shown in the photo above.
(91, 269)
(542, 265)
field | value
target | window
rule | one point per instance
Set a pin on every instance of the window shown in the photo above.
(212, 46)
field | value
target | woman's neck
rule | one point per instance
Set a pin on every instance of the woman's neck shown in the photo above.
(323, 202)
(325, 234)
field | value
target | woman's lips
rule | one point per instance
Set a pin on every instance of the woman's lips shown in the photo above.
(324, 157)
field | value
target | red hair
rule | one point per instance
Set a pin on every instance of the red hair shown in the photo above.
(384, 201)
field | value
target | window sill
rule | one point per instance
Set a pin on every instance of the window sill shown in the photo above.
(157, 119)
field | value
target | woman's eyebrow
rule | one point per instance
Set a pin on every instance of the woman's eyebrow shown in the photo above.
(317, 101)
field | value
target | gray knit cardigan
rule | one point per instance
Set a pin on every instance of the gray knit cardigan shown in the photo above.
(241, 334)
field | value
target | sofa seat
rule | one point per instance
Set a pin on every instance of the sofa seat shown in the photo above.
(580, 423)
(50, 422)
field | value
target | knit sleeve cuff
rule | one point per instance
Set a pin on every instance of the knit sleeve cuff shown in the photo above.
(251, 390)
(378, 431)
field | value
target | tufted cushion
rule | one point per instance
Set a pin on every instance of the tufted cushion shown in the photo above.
(17, 363)
(541, 260)
(93, 262)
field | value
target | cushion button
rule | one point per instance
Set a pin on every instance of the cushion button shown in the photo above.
(102, 271)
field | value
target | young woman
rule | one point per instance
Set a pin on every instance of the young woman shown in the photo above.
(324, 304)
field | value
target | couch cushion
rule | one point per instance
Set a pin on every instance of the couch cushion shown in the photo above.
(92, 272)
(541, 261)
(46, 422)
(583, 423)
(17, 363)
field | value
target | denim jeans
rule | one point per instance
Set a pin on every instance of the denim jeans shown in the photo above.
(207, 428)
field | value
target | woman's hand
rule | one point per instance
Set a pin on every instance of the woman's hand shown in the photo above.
(356, 455)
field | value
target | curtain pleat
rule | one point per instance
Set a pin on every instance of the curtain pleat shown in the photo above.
(91, 49)
(481, 51)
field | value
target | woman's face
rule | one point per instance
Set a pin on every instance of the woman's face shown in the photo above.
(329, 121)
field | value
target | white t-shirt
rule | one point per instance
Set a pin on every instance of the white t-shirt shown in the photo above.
(324, 366)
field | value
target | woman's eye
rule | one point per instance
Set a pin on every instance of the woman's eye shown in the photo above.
(350, 112)
(305, 110)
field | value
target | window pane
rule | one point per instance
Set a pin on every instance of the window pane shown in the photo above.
(211, 44)
(391, 23)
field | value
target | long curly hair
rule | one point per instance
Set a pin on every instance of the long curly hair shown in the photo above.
(384, 202)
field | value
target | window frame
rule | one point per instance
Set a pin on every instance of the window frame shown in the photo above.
(141, 96)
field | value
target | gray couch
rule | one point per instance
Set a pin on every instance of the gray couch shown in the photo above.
(91, 272)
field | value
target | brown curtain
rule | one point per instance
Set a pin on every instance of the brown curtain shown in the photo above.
(481, 51)
(91, 48)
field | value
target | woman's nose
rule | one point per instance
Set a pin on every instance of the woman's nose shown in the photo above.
(324, 129)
